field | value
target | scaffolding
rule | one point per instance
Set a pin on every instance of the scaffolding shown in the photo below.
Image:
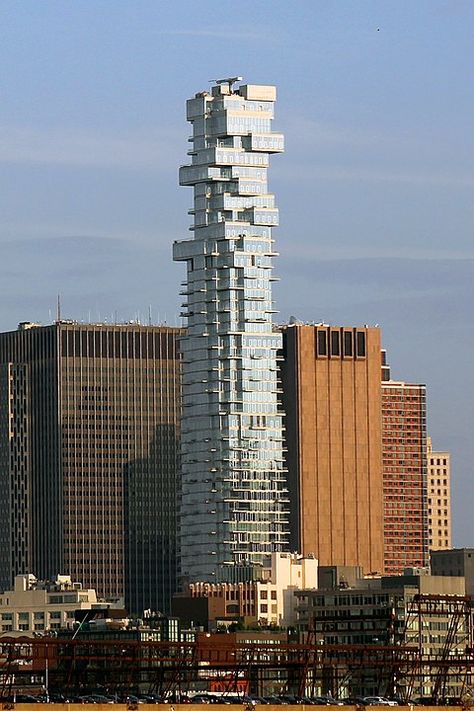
(434, 657)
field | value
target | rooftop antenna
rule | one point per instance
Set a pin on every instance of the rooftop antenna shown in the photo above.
(227, 80)
(58, 312)
(149, 315)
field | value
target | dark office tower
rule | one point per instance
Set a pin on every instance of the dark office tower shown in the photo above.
(15, 534)
(404, 475)
(89, 418)
(332, 399)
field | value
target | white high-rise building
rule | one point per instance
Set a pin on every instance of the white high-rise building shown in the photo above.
(234, 499)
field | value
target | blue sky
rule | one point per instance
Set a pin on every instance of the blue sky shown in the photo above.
(375, 189)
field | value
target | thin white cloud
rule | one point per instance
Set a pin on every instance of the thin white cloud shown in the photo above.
(371, 155)
(320, 134)
(25, 144)
(375, 175)
(223, 33)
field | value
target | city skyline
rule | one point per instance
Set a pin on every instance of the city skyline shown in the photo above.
(374, 103)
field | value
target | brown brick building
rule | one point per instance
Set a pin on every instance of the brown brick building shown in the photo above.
(332, 398)
(404, 476)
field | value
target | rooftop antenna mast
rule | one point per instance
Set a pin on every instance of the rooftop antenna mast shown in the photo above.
(58, 310)
(229, 80)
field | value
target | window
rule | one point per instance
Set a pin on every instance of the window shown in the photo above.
(322, 343)
(360, 344)
(348, 343)
(335, 344)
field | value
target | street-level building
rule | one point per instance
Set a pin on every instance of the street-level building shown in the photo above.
(41, 606)
(383, 612)
(455, 562)
(268, 601)
(234, 501)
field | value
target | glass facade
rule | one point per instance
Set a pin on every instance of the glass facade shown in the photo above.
(233, 478)
(89, 432)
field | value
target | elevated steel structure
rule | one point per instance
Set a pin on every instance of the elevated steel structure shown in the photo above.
(435, 657)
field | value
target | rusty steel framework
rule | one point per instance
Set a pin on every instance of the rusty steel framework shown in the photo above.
(442, 627)
(415, 666)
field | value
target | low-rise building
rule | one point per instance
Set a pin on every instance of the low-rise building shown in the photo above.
(383, 611)
(455, 562)
(40, 606)
(268, 601)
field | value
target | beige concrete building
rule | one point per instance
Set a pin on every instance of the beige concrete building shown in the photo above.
(331, 380)
(268, 601)
(40, 606)
(439, 498)
(382, 611)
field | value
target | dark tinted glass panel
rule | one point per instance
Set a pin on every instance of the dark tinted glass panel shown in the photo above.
(170, 346)
(151, 353)
(97, 351)
(360, 344)
(348, 343)
(157, 346)
(123, 344)
(322, 343)
(335, 345)
(117, 341)
(83, 343)
(137, 352)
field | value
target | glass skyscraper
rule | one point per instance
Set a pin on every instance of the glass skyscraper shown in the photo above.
(89, 455)
(234, 499)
